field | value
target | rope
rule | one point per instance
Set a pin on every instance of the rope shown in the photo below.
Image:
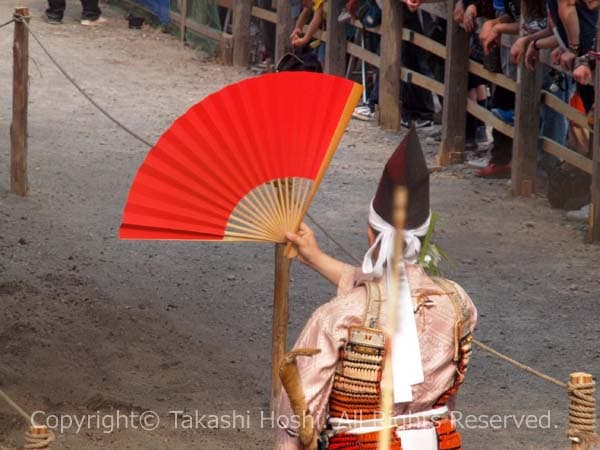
(80, 89)
(332, 239)
(5, 24)
(520, 365)
(481, 345)
(16, 407)
(41, 439)
(582, 413)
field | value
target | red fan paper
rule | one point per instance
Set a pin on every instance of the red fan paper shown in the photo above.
(244, 163)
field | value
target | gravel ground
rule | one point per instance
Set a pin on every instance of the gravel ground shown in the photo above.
(90, 323)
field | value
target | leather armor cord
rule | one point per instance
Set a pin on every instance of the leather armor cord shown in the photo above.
(582, 411)
(290, 379)
(400, 201)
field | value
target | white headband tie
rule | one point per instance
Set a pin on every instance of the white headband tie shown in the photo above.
(407, 368)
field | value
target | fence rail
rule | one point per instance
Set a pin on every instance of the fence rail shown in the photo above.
(529, 95)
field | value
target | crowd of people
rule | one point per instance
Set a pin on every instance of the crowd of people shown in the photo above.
(564, 28)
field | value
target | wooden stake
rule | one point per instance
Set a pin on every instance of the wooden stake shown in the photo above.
(454, 113)
(19, 183)
(594, 229)
(38, 437)
(335, 49)
(580, 378)
(392, 21)
(527, 123)
(280, 319)
(283, 28)
(242, 13)
(182, 22)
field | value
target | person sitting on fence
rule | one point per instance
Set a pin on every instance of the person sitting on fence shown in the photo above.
(90, 15)
(301, 39)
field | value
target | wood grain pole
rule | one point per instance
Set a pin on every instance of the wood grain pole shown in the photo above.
(280, 319)
(242, 14)
(454, 113)
(19, 183)
(392, 21)
(182, 22)
(527, 125)
(335, 48)
(580, 378)
(594, 226)
(283, 29)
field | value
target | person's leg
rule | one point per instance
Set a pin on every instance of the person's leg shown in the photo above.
(56, 10)
(90, 10)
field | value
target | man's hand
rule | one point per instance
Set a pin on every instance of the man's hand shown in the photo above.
(531, 57)
(413, 5)
(583, 75)
(486, 28)
(306, 243)
(469, 19)
(566, 60)
(300, 41)
(517, 51)
(295, 34)
(459, 12)
(556, 54)
(491, 40)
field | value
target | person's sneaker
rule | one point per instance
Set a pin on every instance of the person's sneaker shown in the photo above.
(363, 113)
(53, 20)
(478, 163)
(405, 123)
(92, 23)
(344, 16)
(422, 123)
(506, 115)
(493, 170)
(579, 215)
(435, 137)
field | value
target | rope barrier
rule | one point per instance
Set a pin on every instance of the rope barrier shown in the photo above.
(37, 437)
(79, 88)
(5, 24)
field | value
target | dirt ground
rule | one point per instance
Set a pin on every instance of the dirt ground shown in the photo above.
(90, 325)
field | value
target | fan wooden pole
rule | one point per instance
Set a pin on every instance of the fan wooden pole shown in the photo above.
(280, 320)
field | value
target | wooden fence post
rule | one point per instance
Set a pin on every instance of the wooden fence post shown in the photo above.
(392, 21)
(242, 13)
(284, 28)
(594, 226)
(335, 47)
(18, 128)
(280, 319)
(527, 125)
(454, 113)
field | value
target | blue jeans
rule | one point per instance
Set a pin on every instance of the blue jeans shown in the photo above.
(553, 124)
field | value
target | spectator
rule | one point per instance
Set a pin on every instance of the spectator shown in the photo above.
(90, 15)
(298, 38)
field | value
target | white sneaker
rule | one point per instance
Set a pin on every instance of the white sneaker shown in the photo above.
(92, 23)
(363, 113)
(579, 215)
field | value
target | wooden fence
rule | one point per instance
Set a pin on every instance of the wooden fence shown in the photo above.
(454, 89)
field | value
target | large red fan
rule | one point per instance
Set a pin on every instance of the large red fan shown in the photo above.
(244, 163)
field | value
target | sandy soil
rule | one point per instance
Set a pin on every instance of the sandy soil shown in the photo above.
(90, 323)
